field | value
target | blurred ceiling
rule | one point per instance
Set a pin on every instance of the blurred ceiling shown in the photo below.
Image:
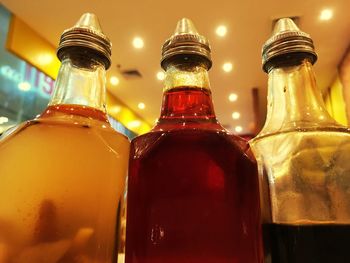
(248, 23)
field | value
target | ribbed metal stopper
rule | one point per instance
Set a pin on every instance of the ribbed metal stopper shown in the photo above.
(187, 41)
(287, 38)
(87, 33)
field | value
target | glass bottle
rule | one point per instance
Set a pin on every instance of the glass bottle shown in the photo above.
(62, 174)
(303, 157)
(192, 187)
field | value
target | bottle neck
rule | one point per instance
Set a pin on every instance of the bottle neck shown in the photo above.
(81, 81)
(294, 100)
(187, 93)
(194, 75)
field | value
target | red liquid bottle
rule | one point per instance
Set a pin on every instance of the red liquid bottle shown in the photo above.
(192, 191)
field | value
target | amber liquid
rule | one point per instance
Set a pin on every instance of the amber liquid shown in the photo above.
(61, 177)
(192, 191)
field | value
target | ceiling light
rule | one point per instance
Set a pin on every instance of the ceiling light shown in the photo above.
(24, 86)
(236, 115)
(45, 58)
(114, 80)
(326, 14)
(238, 129)
(3, 120)
(134, 124)
(114, 109)
(233, 97)
(141, 105)
(160, 75)
(221, 31)
(138, 42)
(227, 67)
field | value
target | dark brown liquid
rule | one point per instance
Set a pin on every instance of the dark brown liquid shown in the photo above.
(192, 192)
(307, 243)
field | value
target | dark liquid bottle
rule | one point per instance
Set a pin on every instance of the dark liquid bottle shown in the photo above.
(310, 243)
(192, 189)
(305, 154)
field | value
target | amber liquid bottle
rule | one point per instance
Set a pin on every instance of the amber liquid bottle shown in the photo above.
(305, 156)
(62, 174)
(192, 189)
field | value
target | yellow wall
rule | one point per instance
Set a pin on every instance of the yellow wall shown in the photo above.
(335, 102)
(31, 47)
(120, 112)
(344, 75)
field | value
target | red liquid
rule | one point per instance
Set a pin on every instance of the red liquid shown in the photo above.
(193, 193)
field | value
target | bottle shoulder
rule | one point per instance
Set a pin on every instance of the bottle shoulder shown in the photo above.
(196, 133)
(187, 123)
(75, 132)
(306, 141)
(194, 140)
(301, 132)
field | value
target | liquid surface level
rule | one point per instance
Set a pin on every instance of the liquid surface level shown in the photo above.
(308, 194)
(61, 178)
(193, 193)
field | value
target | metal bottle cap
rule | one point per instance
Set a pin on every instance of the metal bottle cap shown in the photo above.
(87, 33)
(186, 40)
(287, 38)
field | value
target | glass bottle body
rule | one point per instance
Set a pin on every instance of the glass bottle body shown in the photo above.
(62, 175)
(192, 190)
(304, 162)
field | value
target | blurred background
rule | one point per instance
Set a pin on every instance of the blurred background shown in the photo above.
(30, 32)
